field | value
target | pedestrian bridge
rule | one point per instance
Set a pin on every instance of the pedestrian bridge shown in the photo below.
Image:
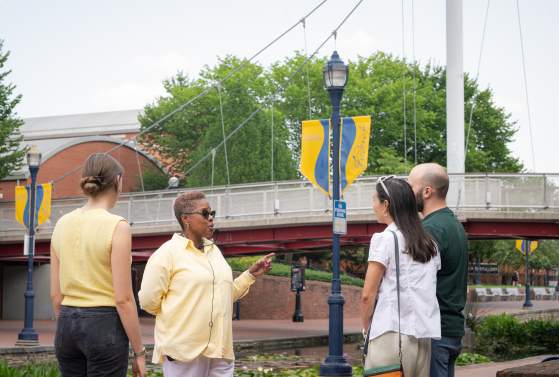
(292, 215)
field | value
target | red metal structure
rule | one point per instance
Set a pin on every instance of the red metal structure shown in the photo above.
(287, 239)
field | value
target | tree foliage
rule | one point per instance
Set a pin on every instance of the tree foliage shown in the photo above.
(11, 152)
(375, 87)
(504, 252)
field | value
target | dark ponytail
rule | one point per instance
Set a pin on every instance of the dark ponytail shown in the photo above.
(402, 207)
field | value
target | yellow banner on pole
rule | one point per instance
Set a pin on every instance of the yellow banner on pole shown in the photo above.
(533, 245)
(43, 197)
(315, 153)
(354, 150)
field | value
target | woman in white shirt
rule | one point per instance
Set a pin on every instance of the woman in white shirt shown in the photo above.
(394, 204)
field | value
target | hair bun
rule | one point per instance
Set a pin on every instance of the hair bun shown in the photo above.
(100, 174)
(91, 185)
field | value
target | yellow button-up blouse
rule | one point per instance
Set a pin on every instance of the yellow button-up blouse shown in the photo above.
(191, 293)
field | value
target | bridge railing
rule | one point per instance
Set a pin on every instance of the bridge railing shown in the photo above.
(495, 192)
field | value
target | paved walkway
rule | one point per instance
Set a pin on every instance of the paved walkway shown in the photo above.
(279, 329)
(491, 369)
(242, 330)
(511, 307)
(262, 329)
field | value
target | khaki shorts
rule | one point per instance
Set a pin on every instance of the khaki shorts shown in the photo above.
(416, 353)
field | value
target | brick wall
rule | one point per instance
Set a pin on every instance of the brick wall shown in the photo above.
(271, 298)
(74, 156)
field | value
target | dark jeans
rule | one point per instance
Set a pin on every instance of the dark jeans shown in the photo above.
(443, 356)
(91, 342)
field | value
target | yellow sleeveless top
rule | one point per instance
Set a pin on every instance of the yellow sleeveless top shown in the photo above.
(82, 241)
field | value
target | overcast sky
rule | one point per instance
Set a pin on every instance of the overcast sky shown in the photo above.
(88, 56)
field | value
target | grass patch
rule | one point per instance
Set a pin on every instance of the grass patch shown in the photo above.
(278, 269)
(467, 358)
(51, 370)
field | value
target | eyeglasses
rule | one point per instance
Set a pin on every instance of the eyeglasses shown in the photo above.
(381, 181)
(205, 213)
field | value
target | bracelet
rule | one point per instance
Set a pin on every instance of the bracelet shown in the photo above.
(139, 354)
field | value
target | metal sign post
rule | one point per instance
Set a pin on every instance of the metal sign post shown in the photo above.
(527, 302)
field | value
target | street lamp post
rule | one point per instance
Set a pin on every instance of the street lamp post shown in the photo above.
(527, 301)
(28, 336)
(335, 364)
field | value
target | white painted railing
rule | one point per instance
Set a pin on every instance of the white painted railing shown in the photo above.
(495, 192)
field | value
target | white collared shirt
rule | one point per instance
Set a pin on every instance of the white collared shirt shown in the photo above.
(419, 309)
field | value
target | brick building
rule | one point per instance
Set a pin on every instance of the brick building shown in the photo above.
(65, 142)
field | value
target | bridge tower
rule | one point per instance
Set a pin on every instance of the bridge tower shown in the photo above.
(455, 154)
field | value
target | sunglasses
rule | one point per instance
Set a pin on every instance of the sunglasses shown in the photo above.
(205, 213)
(381, 181)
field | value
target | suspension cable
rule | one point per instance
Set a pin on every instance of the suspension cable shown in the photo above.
(404, 85)
(223, 133)
(474, 97)
(272, 143)
(204, 92)
(287, 81)
(414, 84)
(307, 68)
(526, 86)
(139, 168)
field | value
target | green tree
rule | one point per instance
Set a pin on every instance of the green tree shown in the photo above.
(152, 179)
(375, 87)
(11, 152)
(190, 135)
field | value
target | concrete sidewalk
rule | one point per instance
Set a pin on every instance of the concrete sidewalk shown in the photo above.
(255, 330)
(491, 369)
(242, 330)
(262, 329)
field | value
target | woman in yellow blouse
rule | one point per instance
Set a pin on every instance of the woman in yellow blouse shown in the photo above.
(91, 284)
(189, 287)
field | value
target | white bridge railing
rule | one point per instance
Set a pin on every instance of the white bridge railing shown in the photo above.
(495, 192)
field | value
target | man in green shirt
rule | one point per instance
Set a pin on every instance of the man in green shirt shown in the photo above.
(430, 185)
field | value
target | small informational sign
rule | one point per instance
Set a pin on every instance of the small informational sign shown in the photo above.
(297, 278)
(340, 218)
(484, 268)
(26, 243)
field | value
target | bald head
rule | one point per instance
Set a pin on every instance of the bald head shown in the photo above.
(430, 175)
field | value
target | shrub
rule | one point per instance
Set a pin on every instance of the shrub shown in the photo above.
(279, 269)
(504, 337)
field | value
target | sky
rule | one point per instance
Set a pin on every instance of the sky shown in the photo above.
(70, 57)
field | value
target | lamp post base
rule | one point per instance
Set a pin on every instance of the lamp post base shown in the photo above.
(298, 315)
(28, 337)
(335, 367)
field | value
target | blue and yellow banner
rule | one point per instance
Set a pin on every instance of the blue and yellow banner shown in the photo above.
(315, 153)
(42, 203)
(354, 150)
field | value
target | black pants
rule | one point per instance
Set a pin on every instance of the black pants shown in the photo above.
(91, 342)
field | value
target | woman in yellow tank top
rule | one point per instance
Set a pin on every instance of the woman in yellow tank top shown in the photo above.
(91, 284)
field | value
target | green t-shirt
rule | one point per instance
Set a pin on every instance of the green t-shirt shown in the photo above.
(452, 278)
